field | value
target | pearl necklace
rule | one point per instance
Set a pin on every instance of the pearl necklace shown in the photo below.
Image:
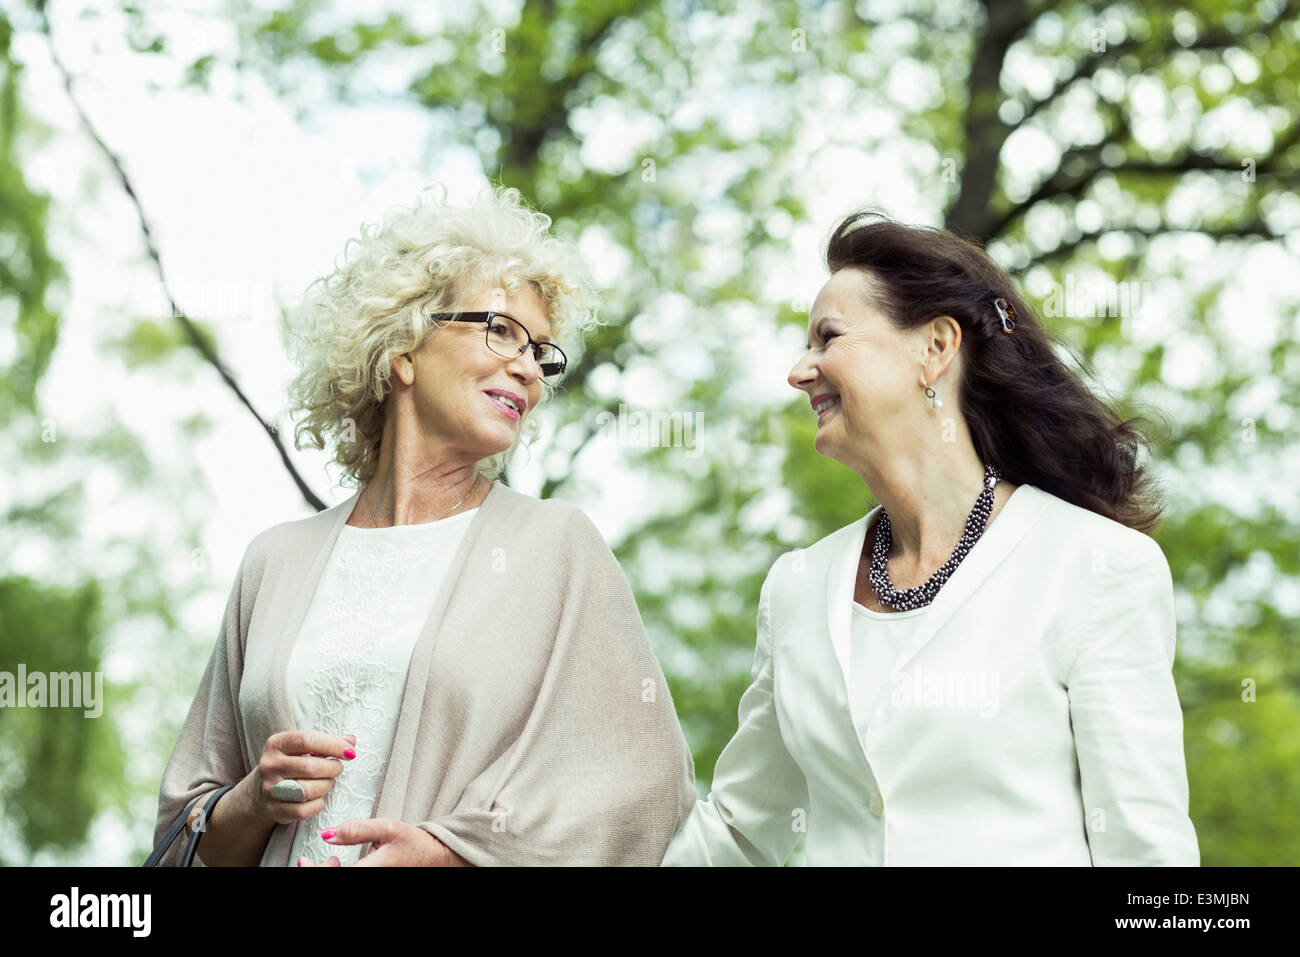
(923, 594)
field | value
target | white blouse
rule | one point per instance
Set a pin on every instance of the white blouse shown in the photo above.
(877, 641)
(347, 670)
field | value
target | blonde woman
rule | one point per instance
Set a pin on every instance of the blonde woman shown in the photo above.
(439, 670)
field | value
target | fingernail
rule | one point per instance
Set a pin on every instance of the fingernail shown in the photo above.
(300, 862)
(349, 753)
(328, 833)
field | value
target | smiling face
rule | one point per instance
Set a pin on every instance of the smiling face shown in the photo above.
(462, 392)
(861, 374)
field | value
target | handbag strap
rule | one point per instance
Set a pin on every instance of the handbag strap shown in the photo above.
(192, 847)
(178, 825)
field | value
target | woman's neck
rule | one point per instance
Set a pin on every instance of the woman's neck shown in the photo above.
(928, 504)
(415, 484)
(389, 500)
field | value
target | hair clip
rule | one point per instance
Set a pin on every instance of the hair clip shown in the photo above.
(1007, 312)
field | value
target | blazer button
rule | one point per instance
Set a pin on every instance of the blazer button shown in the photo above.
(877, 806)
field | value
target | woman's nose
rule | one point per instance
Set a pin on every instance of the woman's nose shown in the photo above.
(802, 374)
(526, 366)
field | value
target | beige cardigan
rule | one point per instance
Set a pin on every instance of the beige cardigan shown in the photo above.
(535, 727)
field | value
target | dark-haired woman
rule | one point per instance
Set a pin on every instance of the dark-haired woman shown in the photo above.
(978, 671)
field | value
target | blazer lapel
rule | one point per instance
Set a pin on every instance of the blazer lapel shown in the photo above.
(841, 576)
(1017, 515)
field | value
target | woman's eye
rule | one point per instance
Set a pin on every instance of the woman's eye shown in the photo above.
(828, 336)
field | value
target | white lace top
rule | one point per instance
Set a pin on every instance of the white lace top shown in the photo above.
(347, 670)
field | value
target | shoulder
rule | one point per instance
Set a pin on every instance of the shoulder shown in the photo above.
(564, 539)
(1087, 526)
(567, 555)
(836, 541)
(293, 541)
(827, 547)
(796, 567)
(1113, 552)
(552, 518)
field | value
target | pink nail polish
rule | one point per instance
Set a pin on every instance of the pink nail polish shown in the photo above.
(300, 862)
(328, 833)
(349, 753)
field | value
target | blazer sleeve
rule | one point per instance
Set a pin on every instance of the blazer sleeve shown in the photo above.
(1124, 711)
(747, 818)
(209, 751)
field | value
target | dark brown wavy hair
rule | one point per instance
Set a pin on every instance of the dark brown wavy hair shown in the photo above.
(1027, 412)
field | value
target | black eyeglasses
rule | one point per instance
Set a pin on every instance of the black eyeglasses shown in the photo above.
(507, 337)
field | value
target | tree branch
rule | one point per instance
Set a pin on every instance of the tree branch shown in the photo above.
(1253, 228)
(1084, 69)
(985, 132)
(1060, 185)
(521, 149)
(191, 331)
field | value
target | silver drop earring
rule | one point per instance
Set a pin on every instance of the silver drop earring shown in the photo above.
(935, 401)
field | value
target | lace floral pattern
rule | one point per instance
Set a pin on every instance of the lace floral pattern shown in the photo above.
(349, 665)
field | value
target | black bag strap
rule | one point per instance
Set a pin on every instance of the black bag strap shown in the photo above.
(192, 847)
(178, 825)
(173, 829)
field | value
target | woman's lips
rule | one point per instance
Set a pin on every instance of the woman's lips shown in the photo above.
(835, 404)
(502, 406)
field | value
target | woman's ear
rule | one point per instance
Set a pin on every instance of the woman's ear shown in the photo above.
(404, 368)
(942, 340)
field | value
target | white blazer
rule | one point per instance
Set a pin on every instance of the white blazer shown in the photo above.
(1032, 718)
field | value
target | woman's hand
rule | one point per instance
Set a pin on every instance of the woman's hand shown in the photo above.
(396, 844)
(312, 758)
